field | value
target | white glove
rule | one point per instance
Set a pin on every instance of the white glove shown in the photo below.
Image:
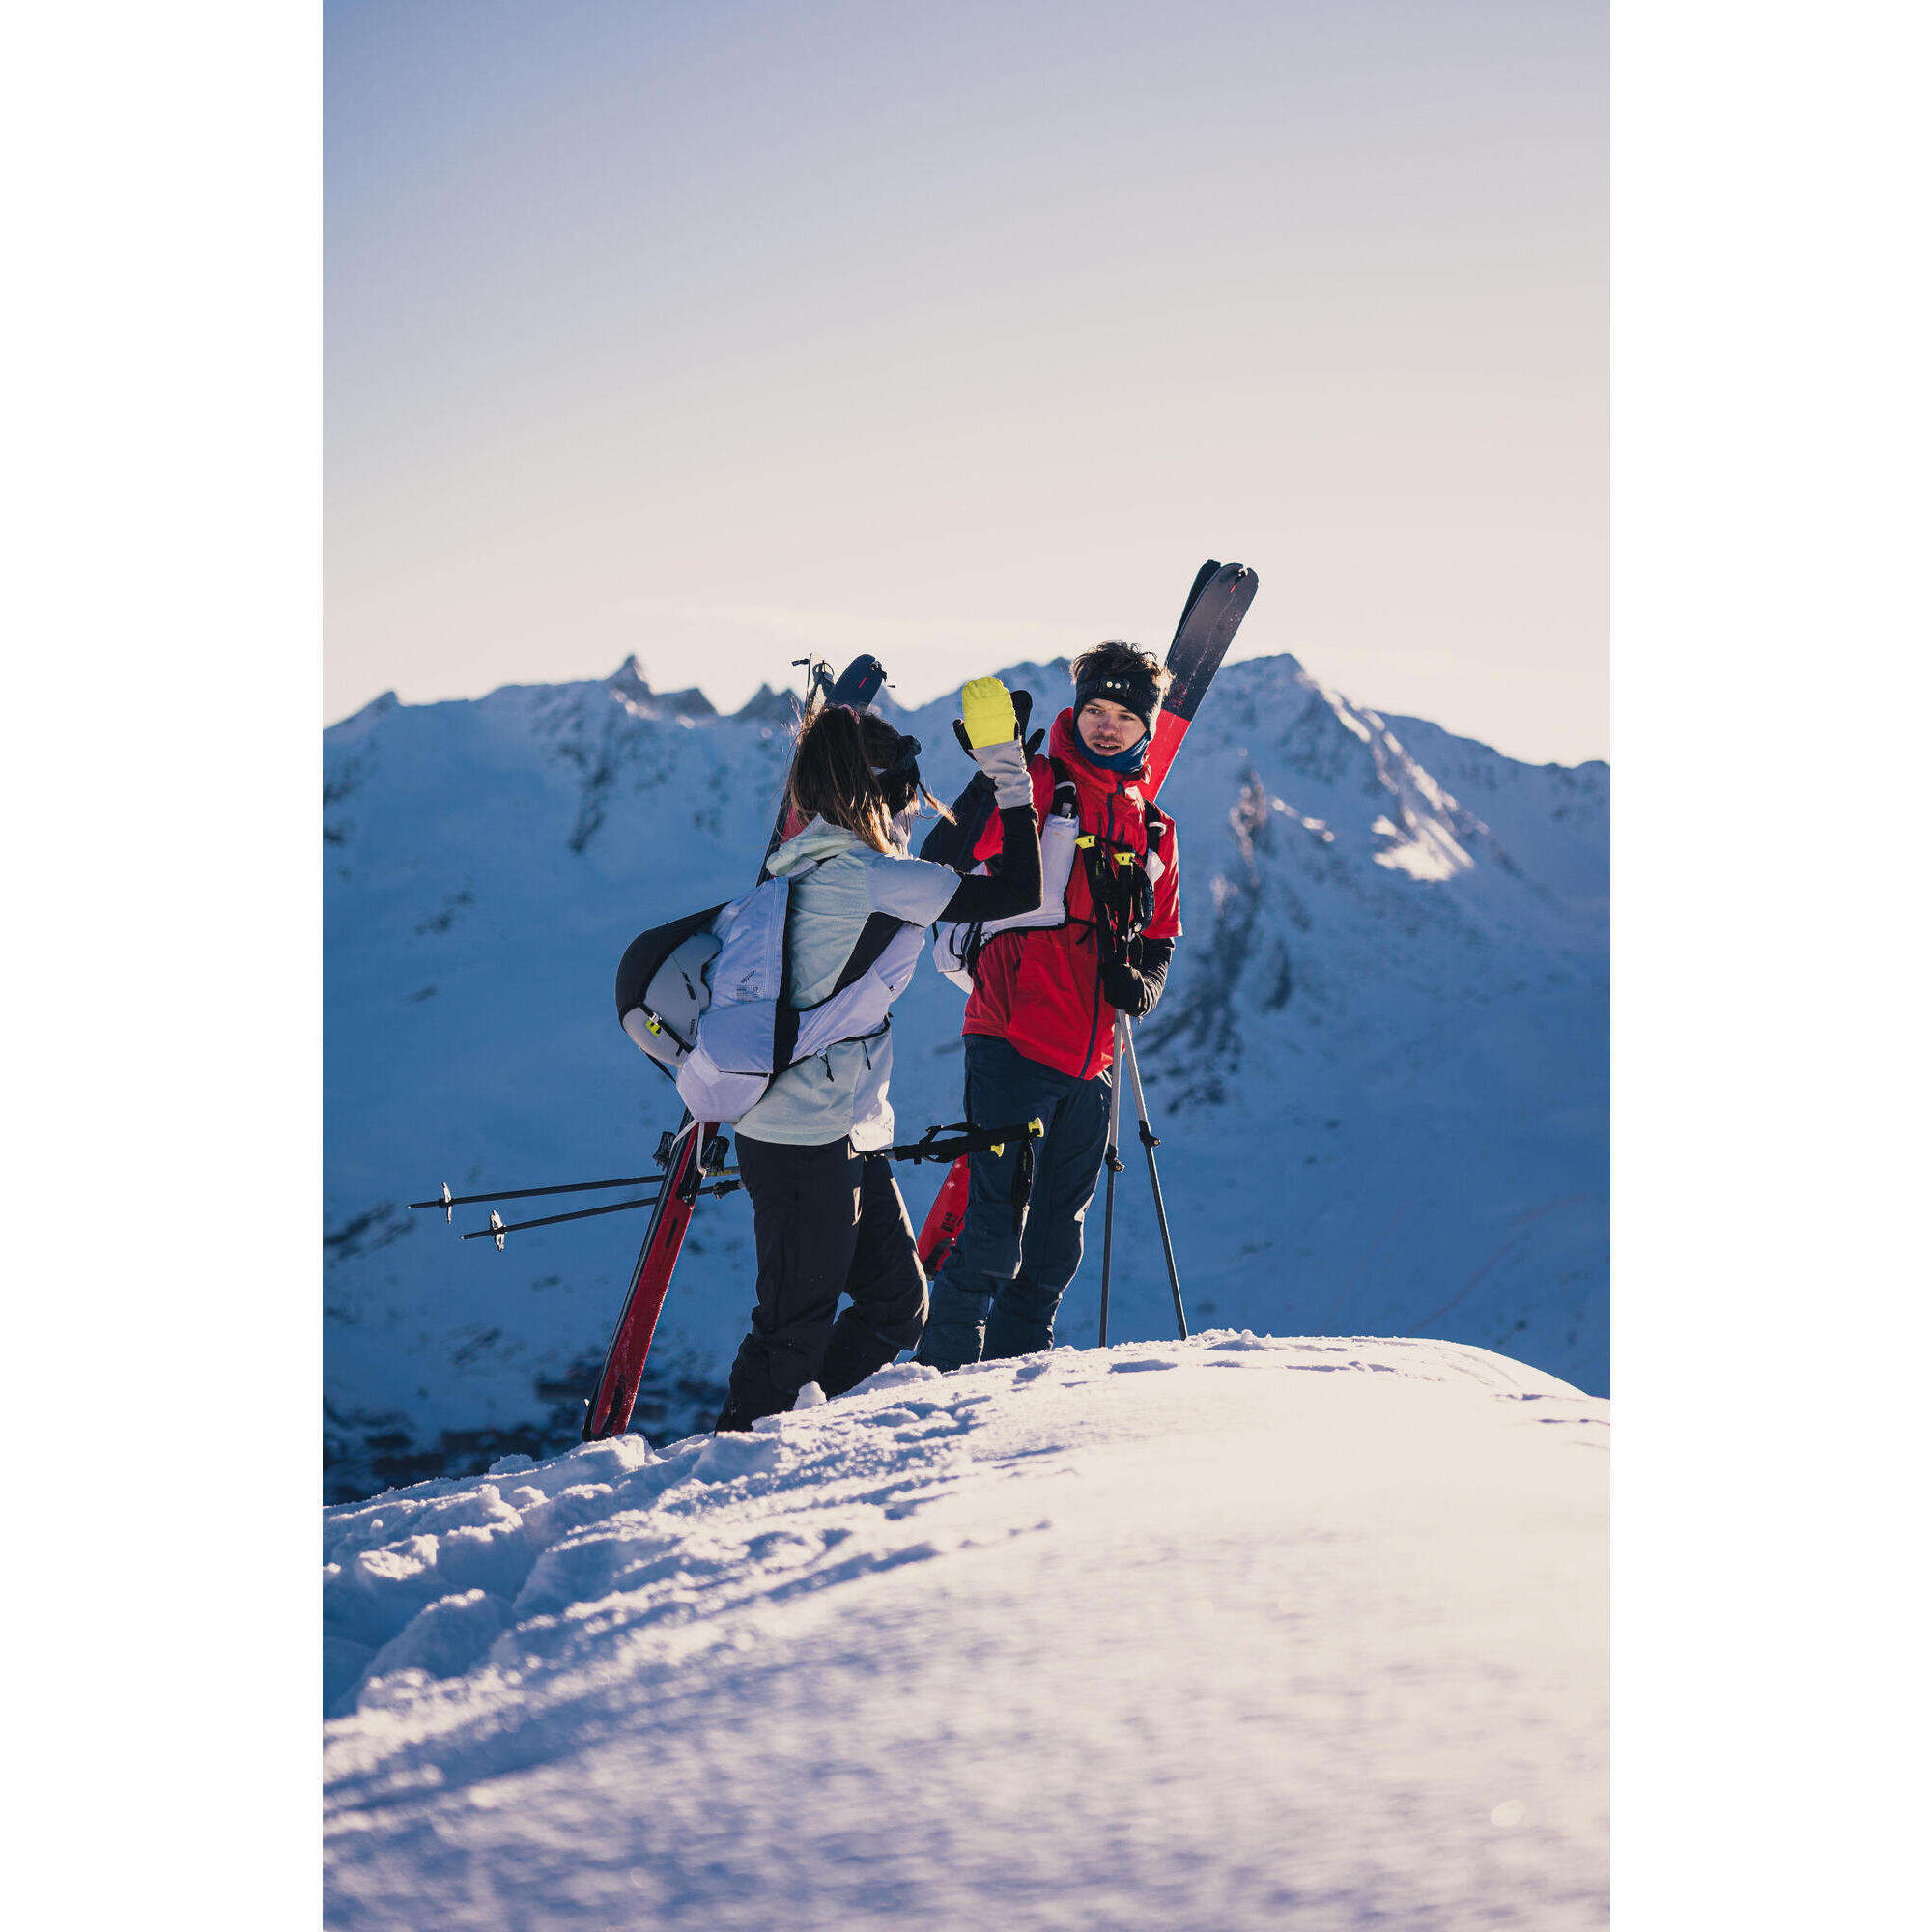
(1005, 764)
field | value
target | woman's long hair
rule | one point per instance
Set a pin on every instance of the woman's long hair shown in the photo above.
(834, 773)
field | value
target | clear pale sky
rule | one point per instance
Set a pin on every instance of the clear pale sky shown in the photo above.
(962, 333)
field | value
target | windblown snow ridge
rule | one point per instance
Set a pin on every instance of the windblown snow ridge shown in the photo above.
(1183, 1632)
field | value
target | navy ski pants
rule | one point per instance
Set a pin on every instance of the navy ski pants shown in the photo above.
(828, 1222)
(998, 1291)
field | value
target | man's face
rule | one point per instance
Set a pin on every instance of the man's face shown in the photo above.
(1107, 727)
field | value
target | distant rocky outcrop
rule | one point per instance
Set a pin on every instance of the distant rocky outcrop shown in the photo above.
(628, 681)
(766, 706)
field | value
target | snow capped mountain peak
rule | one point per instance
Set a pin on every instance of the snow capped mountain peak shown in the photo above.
(359, 721)
(628, 685)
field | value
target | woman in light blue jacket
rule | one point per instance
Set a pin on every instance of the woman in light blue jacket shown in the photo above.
(827, 1212)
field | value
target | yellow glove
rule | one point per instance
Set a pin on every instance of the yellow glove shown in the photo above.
(988, 713)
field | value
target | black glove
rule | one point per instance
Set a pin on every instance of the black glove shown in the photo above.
(1023, 711)
(1124, 987)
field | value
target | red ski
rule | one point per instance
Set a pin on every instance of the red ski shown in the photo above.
(1215, 608)
(609, 1409)
(1211, 615)
(945, 1218)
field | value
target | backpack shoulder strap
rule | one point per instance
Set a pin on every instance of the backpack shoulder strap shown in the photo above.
(880, 929)
(784, 1017)
(1066, 791)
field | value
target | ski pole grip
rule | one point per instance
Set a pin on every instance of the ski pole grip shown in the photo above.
(971, 1139)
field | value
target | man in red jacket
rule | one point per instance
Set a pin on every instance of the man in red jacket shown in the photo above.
(1039, 1022)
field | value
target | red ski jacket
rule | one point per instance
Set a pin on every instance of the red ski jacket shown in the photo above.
(1040, 989)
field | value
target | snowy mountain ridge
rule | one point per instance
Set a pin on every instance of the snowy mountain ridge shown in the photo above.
(1236, 1632)
(1379, 1073)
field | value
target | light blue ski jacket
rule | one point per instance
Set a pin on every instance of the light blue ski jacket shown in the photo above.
(839, 882)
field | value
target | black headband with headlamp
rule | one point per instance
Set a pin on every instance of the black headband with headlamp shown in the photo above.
(1134, 689)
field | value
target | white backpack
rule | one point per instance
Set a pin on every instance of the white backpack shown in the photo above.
(750, 1034)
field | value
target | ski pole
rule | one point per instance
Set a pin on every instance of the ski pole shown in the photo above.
(446, 1200)
(1149, 1140)
(971, 1139)
(498, 1227)
(715, 1149)
(1113, 1166)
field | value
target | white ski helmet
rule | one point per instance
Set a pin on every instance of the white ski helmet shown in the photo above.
(662, 988)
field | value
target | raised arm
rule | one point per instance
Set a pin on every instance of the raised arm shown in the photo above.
(991, 731)
(1015, 888)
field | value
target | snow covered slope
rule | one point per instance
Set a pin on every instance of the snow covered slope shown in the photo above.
(1231, 1633)
(1380, 1073)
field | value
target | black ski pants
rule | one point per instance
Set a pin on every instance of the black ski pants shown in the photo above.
(997, 1291)
(827, 1221)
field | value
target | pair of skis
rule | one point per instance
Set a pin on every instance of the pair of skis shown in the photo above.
(1215, 606)
(1208, 620)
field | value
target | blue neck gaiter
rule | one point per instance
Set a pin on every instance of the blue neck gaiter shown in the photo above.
(1128, 762)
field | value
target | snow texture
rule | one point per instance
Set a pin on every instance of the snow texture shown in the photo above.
(1231, 1633)
(1380, 1074)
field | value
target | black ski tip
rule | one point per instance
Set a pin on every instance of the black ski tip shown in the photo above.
(1201, 577)
(858, 684)
(1205, 632)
